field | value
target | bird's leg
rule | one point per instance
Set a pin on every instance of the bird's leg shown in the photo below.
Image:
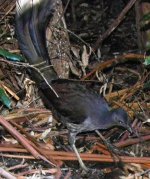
(110, 147)
(72, 139)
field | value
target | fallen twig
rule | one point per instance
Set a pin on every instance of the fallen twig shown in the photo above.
(114, 24)
(86, 157)
(23, 140)
(65, 156)
(6, 174)
(114, 61)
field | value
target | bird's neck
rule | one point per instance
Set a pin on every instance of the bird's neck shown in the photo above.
(107, 120)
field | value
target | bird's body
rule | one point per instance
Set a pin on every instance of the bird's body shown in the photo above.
(82, 109)
(76, 102)
(76, 106)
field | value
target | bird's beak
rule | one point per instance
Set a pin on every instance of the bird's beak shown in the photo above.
(130, 129)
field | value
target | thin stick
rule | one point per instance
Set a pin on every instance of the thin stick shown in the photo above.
(113, 25)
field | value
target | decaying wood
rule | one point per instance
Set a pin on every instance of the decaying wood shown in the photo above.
(59, 45)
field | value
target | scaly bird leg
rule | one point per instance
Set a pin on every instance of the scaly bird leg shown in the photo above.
(110, 147)
(72, 136)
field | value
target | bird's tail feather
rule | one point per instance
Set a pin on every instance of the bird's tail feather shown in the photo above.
(32, 17)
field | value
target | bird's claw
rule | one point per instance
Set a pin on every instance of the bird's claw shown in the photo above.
(115, 150)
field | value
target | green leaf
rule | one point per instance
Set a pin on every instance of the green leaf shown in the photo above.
(147, 61)
(4, 98)
(146, 17)
(11, 56)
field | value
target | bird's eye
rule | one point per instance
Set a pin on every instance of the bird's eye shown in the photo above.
(120, 122)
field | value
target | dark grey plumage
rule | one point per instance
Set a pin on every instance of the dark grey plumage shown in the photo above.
(79, 108)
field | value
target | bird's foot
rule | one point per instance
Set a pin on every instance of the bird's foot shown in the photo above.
(113, 149)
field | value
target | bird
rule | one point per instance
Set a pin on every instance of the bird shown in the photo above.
(78, 107)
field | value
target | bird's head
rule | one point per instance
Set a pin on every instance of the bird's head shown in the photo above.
(120, 118)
